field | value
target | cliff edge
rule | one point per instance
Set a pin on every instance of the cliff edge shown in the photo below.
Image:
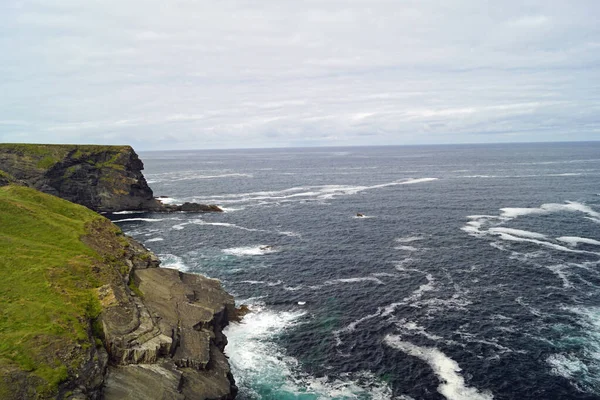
(85, 313)
(102, 178)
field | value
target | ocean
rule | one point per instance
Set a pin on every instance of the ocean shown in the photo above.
(474, 272)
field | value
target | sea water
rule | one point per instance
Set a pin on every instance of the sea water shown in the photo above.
(472, 274)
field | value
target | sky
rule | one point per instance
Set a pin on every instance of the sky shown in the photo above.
(199, 74)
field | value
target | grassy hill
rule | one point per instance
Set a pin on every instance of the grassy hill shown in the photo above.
(47, 297)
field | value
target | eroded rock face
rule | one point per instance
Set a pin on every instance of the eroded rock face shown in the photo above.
(102, 178)
(171, 337)
(161, 328)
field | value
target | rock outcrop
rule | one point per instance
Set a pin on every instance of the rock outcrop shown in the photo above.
(102, 178)
(88, 315)
(163, 331)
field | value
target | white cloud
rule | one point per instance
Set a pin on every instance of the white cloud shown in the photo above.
(277, 73)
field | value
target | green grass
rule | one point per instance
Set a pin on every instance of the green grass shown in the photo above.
(44, 156)
(46, 283)
(6, 175)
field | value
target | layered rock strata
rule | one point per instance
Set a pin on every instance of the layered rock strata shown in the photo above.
(162, 331)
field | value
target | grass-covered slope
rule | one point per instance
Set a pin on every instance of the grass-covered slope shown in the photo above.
(44, 156)
(47, 297)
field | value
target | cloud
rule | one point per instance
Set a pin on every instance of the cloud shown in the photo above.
(281, 73)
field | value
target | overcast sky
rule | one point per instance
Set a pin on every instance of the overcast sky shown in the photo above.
(182, 74)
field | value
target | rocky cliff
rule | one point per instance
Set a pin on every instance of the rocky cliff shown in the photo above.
(85, 313)
(103, 178)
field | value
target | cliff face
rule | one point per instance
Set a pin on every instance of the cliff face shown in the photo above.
(102, 178)
(85, 313)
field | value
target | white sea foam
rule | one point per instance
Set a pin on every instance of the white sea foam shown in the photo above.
(508, 237)
(249, 250)
(258, 362)
(303, 193)
(517, 232)
(172, 261)
(193, 175)
(179, 227)
(414, 328)
(363, 216)
(139, 219)
(570, 206)
(574, 240)
(386, 311)
(406, 248)
(293, 288)
(409, 239)
(251, 282)
(353, 280)
(452, 384)
(128, 212)
(581, 367)
(168, 200)
(230, 209)
(414, 296)
(351, 327)
(157, 239)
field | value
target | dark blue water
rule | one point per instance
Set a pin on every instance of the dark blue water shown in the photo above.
(473, 275)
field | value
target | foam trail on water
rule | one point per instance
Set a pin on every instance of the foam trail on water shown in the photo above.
(354, 280)
(249, 250)
(388, 310)
(409, 239)
(128, 212)
(574, 240)
(508, 237)
(158, 239)
(139, 219)
(570, 206)
(518, 232)
(349, 280)
(300, 193)
(452, 384)
(406, 248)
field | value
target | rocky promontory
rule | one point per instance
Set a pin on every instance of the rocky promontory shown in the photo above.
(102, 178)
(86, 314)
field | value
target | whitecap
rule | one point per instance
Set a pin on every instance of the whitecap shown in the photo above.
(139, 219)
(128, 212)
(251, 282)
(249, 250)
(409, 239)
(354, 280)
(157, 239)
(302, 193)
(406, 248)
(517, 232)
(168, 200)
(172, 261)
(570, 206)
(452, 384)
(574, 240)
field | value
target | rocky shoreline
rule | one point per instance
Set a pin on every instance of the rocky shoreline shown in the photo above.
(160, 330)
